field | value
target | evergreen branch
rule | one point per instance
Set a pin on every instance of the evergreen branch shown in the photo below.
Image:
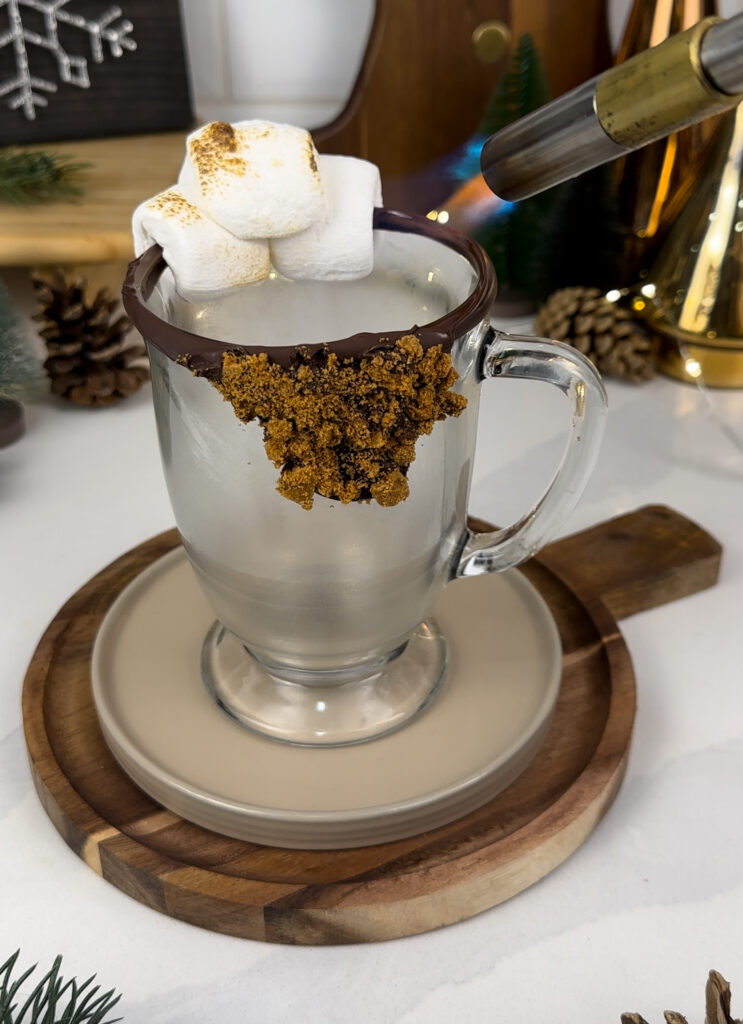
(8, 991)
(84, 1004)
(28, 177)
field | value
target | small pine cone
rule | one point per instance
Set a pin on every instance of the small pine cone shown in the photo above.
(717, 1000)
(603, 331)
(717, 1006)
(91, 360)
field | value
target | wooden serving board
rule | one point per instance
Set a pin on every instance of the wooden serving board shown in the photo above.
(627, 565)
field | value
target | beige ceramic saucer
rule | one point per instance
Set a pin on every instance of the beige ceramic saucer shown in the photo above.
(481, 731)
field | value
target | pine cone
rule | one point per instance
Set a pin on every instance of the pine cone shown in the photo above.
(717, 1005)
(603, 331)
(90, 361)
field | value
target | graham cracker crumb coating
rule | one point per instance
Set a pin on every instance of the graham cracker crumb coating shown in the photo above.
(345, 429)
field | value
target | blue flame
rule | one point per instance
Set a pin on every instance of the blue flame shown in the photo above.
(466, 163)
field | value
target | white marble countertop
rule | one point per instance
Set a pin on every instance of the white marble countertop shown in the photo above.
(632, 921)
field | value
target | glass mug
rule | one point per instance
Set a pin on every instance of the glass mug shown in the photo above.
(323, 632)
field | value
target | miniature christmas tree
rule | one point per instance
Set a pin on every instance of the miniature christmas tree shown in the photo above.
(21, 374)
(522, 88)
(580, 241)
(512, 234)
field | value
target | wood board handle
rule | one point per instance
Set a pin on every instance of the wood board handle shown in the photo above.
(639, 560)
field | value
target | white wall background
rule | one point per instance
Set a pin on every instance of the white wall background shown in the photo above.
(293, 60)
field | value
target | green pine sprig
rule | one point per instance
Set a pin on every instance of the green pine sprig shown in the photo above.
(53, 1000)
(28, 177)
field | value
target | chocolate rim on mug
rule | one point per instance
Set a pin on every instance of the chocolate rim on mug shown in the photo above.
(204, 355)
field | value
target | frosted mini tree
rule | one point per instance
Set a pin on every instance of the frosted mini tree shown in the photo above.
(26, 90)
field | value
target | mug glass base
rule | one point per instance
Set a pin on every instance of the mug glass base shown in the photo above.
(331, 713)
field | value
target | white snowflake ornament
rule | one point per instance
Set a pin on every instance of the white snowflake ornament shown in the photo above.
(26, 90)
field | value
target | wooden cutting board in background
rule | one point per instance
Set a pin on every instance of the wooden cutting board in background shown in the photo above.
(421, 89)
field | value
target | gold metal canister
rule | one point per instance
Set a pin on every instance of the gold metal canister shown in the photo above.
(693, 297)
(651, 179)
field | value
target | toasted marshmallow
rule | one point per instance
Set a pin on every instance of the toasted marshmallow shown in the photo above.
(254, 178)
(207, 261)
(340, 247)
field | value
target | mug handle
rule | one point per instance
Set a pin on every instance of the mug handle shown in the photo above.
(524, 357)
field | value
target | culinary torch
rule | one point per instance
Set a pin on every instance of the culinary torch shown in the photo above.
(689, 76)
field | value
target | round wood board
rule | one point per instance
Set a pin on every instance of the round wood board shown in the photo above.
(325, 897)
